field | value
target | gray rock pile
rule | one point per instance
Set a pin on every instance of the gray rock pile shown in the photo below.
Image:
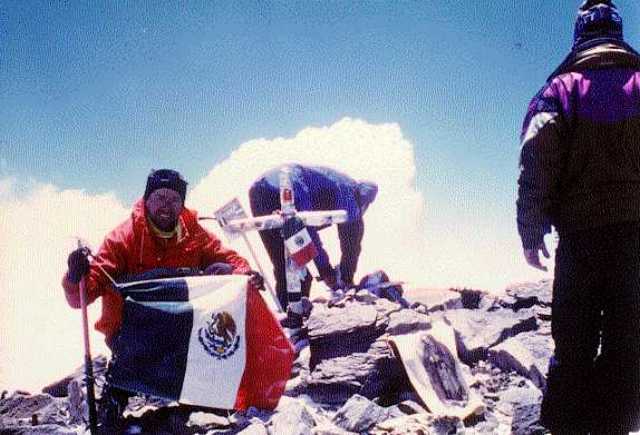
(351, 380)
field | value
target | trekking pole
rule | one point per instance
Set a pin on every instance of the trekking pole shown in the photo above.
(88, 362)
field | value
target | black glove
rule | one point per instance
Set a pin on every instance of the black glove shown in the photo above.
(256, 279)
(78, 264)
(219, 269)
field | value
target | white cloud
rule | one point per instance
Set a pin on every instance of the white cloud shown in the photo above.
(6, 187)
(41, 335)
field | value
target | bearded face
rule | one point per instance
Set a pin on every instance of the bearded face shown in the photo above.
(164, 207)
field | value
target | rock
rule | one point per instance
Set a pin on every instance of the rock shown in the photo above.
(470, 299)
(19, 409)
(419, 424)
(301, 363)
(60, 388)
(251, 420)
(355, 379)
(330, 429)
(252, 413)
(394, 411)
(406, 321)
(384, 308)
(502, 392)
(365, 296)
(436, 299)
(447, 425)
(334, 380)
(409, 395)
(335, 332)
(45, 429)
(525, 420)
(543, 313)
(488, 426)
(255, 428)
(140, 410)
(138, 405)
(410, 424)
(411, 407)
(294, 387)
(526, 295)
(407, 407)
(490, 381)
(419, 308)
(358, 414)
(77, 399)
(292, 419)
(478, 330)
(166, 420)
(387, 382)
(325, 321)
(206, 420)
(526, 354)
(516, 394)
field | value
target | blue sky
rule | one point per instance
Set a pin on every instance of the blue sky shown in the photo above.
(95, 94)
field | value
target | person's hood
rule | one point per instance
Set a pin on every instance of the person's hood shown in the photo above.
(367, 192)
(598, 54)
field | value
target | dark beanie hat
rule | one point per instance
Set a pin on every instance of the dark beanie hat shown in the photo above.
(597, 19)
(167, 179)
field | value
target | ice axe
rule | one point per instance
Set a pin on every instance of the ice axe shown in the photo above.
(88, 362)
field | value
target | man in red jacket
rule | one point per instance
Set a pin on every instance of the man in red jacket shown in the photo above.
(160, 234)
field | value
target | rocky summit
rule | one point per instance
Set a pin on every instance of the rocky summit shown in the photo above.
(457, 361)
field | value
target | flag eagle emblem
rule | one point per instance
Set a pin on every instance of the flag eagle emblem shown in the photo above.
(219, 336)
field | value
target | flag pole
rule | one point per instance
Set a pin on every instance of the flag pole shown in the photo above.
(267, 283)
(88, 362)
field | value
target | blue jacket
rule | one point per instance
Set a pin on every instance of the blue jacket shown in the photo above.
(317, 188)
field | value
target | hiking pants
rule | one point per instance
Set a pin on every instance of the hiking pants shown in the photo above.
(263, 202)
(593, 384)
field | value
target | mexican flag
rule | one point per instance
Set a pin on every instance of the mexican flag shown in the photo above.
(206, 340)
(298, 242)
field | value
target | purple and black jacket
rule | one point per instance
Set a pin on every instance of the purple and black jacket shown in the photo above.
(580, 158)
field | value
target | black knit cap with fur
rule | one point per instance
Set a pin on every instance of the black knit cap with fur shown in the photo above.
(167, 179)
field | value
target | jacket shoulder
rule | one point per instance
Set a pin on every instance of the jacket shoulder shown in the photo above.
(550, 99)
(192, 225)
(123, 232)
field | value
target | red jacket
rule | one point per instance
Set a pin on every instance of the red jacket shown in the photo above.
(132, 248)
